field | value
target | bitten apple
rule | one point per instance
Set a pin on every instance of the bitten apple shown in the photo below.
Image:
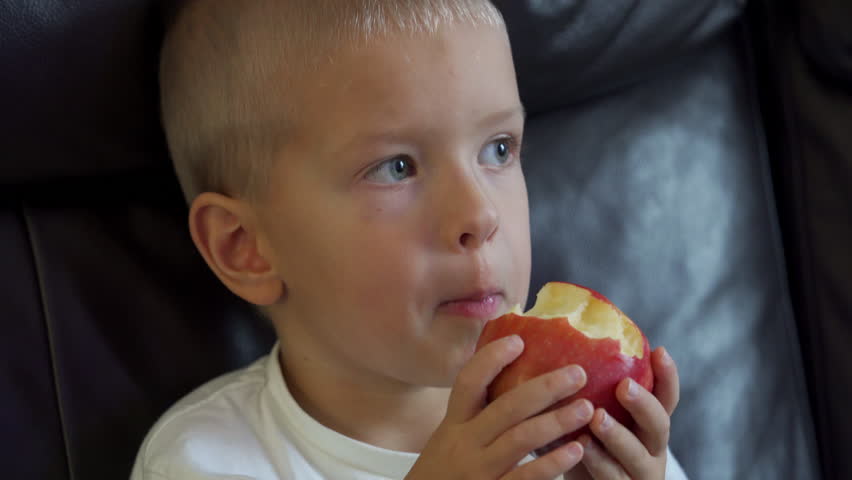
(570, 324)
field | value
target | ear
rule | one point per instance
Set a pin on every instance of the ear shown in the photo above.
(224, 231)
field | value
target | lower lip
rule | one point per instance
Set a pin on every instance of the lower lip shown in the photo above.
(486, 308)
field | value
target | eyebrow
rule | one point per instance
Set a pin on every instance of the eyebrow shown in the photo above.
(503, 115)
(394, 135)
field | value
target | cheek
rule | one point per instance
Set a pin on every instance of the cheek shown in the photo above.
(381, 208)
(357, 285)
(516, 224)
(377, 259)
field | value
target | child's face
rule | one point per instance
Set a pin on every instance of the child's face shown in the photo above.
(401, 191)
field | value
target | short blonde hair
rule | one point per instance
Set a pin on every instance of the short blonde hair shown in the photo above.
(221, 59)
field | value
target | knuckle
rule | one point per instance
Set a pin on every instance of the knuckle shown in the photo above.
(557, 462)
(468, 469)
(530, 471)
(508, 408)
(527, 474)
(466, 380)
(520, 438)
(647, 470)
(470, 473)
(573, 416)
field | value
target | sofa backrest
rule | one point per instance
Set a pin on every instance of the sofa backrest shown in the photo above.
(647, 175)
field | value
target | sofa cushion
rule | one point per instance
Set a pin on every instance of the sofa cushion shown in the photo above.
(569, 50)
(80, 77)
(79, 89)
(825, 32)
(659, 196)
(30, 416)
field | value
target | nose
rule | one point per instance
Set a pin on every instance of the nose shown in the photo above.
(471, 218)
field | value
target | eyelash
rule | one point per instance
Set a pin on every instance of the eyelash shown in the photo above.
(510, 140)
(511, 143)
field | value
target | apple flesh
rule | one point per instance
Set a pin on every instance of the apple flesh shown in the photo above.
(570, 324)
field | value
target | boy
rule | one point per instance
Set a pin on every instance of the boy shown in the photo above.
(353, 169)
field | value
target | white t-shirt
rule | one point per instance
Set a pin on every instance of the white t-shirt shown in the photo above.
(246, 425)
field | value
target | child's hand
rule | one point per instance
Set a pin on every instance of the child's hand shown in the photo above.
(639, 456)
(487, 443)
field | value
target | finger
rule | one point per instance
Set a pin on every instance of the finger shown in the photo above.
(652, 420)
(539, 431)
(468, 394)
(549, 466)
(666, 379)
(598, 463)
(527, 399)
(621, 444)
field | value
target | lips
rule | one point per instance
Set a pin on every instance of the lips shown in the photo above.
(483, 304)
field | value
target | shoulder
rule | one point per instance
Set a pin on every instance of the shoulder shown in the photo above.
(214, 428)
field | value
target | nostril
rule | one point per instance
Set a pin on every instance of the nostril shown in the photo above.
(465, 239)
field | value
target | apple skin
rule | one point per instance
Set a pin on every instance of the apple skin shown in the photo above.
(552, 343)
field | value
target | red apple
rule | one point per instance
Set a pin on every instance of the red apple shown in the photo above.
(570, 324)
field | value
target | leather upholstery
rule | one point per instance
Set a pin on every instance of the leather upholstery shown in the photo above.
(79, 80)
(825, 36)
(31, 434)
(651, 178)
(806, 84)
(119, 360)
(664, 200)
(573, 50)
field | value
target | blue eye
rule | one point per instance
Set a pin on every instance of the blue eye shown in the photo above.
(498, 152)
(393, 170)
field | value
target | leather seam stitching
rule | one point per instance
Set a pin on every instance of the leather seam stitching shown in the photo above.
(45, 310)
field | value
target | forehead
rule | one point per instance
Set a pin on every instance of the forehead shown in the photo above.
(444, 80)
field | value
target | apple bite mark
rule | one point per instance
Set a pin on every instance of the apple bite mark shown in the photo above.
(588, 312)
(568, 325)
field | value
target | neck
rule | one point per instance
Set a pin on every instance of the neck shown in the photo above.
(379, 411)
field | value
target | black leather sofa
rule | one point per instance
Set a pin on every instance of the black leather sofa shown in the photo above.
(690, 158)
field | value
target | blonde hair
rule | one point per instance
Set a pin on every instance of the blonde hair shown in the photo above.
(227, 68)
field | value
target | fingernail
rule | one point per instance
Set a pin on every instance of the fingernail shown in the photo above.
(632, 389)
(574, 374)
(585, 411)
(515, 341)
(573, 450)
(606, 420)
(667, 359)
